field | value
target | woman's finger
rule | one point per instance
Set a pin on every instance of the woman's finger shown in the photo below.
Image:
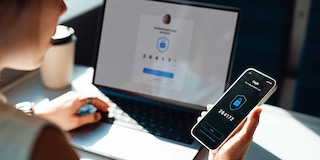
(97, 102)
(209, 107)
(89, 118)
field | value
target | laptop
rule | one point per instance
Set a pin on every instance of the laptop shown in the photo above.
(160, 63)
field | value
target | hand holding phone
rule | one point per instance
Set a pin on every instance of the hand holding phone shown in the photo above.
(250, 89)
(238, 143)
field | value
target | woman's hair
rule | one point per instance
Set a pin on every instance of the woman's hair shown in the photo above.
(15, 13)
(16, 5)
(10, 10)
(22, 2)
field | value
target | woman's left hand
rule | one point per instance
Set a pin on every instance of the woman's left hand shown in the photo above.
(239, 141)
(63, 111)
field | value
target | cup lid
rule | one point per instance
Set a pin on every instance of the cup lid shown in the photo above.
(63, 34)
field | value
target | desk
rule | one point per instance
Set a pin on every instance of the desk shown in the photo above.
(281, 134)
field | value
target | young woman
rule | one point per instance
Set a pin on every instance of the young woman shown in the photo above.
(26, 27)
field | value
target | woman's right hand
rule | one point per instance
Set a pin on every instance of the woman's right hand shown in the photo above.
(63, 111)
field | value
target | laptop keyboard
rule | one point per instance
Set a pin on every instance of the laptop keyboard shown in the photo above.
(158, 120)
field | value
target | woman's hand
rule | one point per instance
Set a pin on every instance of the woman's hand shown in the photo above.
(63, 110)
(239, 142)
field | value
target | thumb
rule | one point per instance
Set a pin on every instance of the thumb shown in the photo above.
(252, 122)
(89, 118)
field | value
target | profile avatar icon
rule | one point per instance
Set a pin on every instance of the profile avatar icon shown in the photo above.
(166, 19)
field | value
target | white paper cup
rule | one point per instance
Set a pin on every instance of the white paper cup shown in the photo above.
(57, 68)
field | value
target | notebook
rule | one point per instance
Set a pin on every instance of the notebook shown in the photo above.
(160, 63)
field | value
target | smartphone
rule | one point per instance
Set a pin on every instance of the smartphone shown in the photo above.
(252, 88)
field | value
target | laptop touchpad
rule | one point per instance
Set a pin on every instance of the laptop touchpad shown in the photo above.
(122, 143)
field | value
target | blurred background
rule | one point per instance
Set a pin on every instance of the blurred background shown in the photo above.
(279, 37)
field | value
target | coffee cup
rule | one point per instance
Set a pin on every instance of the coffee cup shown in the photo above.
(57, 68)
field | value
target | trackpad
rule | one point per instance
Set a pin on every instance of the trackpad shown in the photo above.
(122, 143)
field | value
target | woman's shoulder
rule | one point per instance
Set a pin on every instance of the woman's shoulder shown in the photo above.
(18, 131)
(8, 114)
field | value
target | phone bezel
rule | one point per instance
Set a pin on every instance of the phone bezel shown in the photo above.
(262, 101)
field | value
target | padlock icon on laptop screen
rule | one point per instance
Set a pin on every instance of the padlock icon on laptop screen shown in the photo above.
(163, 44)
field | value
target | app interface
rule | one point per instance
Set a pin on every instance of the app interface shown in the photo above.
(233, 108)
(161, 50)
(168, 51)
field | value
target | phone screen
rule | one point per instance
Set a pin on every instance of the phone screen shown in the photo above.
(233, 107)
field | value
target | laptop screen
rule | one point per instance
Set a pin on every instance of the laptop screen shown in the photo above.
(163, 50)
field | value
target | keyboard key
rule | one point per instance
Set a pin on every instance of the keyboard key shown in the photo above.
(159, 120)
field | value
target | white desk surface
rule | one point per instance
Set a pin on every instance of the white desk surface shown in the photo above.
(281, 134)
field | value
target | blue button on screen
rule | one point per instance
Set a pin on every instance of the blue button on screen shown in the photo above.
(158, 73)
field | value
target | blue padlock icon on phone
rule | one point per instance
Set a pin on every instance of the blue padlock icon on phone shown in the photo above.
(237, 102)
